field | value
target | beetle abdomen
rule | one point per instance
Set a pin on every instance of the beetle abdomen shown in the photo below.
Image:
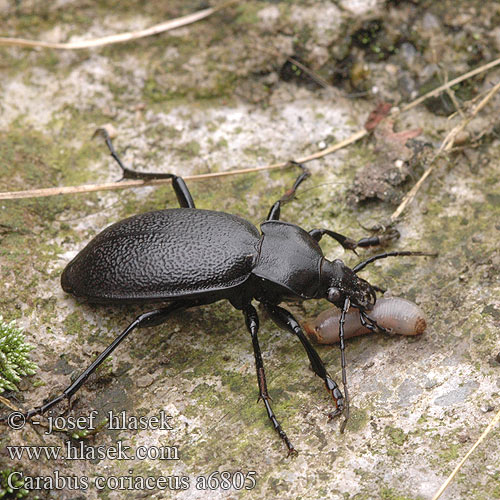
(162, 255)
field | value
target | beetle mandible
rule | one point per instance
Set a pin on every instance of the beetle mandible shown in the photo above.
(190, 257)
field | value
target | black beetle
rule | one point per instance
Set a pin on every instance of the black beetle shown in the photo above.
(191, 257)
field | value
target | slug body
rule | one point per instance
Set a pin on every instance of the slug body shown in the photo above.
(395, 314)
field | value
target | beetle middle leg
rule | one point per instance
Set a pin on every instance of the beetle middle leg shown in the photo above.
(181, 190)
(151, 318)
(284, 319)
(252, 322)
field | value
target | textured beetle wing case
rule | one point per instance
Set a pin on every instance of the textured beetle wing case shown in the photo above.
(164, 254)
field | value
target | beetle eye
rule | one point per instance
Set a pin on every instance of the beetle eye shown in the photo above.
(333, 295)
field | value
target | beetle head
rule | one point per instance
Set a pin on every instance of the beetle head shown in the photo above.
(342, 282)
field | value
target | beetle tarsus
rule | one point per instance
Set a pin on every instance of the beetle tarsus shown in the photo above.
(336, 394)
(371, 324)
(277, 426)
(350, 244)
(379, 289)
(301, 178)
(344, 410)
(389, 234)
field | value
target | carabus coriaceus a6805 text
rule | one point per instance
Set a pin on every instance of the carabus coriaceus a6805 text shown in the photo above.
(190, 257)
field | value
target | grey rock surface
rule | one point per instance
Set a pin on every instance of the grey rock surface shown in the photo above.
(208, 97)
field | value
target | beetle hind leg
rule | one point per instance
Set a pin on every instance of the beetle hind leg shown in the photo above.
(181, 190)
(252, 322)
(274, 213)
(151, 318)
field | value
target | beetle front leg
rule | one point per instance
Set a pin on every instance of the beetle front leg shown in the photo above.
(181, 190)
(252, 322)
(371, 324)
(350, 244)
(284, 319)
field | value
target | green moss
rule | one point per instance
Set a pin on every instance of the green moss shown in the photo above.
(49, 59)
(203, 394)
(391, 494)
(221, 144)
(14, 362)
(45, 163)
(450, 453)
(257, 152)
(247, 12)
(155, 93)
(189, 150)
(397, 436)
(73, 323)
(8, 493)
(358, 419)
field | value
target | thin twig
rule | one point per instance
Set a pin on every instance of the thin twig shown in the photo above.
(449, 84)
(453, 98)
(309, 72)
(119, 37)
(111, 186)
(486, 431)
(468, 104)
(446, 146)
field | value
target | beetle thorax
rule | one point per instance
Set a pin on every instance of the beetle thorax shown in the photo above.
(290, 259)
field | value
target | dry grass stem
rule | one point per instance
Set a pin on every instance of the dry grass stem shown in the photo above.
(486, 431)
(7, 403)
(314, 76)
(446, 146)
(447, 85)
(119, 37)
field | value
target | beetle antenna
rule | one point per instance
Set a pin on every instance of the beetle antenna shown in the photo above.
(345, 308)
(363, 264)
